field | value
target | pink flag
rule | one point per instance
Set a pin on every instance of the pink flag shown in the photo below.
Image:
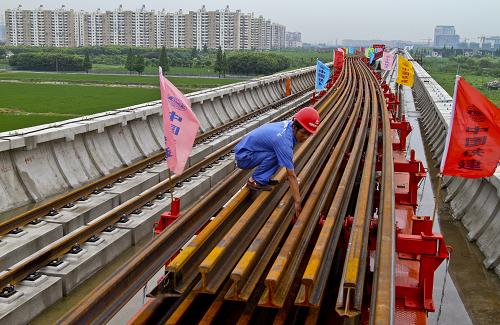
(180, 125)
(387, 61)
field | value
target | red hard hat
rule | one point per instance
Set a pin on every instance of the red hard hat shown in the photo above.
(308, 117)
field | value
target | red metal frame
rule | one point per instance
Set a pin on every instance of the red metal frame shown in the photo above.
(430, 249)
(415, 169)
(168, 217)
(404, 128)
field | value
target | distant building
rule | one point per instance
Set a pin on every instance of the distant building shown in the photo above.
(2, 34)
(492, 42)
(231, 30)
(388, 43)
(293, 39)
(445, 36)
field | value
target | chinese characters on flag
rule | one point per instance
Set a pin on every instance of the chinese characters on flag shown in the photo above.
(405, 72)
(387, 60)
(180, 125)
(473, 141)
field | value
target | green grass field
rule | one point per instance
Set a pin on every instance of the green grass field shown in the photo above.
(99, 68)
(15, 121)
(476, 71)
(70, 99)
(447, 81)
(28, 103)
(187, 82)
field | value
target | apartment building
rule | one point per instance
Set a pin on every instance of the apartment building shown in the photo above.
(231, 30)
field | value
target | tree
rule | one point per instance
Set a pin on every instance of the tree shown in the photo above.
(139, 64)
(87, 64)
(224, 65)
(194, 53)
(205, 48)
(219, 64)
(164, 60)
(129, 64)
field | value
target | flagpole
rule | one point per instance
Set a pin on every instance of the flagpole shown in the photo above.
(172, 189)
(437, 198)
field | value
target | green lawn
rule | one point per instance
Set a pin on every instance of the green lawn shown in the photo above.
(69, 99)
(189, 82)
(16, 121)
(154, 70)
(29, 103)
(447, 81)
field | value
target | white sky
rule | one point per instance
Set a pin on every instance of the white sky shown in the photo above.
(326, 21)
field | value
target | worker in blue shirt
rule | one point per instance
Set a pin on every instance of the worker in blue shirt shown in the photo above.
(270, 147)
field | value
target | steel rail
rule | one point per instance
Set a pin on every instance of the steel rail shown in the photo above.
(316, 274)
(253, 262)
(371, 99)
(243, 318)
(60, 247)
(353, 278)
(182, 269)
(382, 300)
(282, 273)
(50, 206)
(103, 302)
(219, 262)
(210, 313)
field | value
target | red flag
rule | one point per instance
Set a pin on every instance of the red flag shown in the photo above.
(473, 142)
(338, 60)
(180, 125)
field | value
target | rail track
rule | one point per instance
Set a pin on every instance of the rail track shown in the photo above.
(251, 260)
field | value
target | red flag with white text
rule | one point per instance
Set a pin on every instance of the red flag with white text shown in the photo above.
(473, 142)
(180, 125)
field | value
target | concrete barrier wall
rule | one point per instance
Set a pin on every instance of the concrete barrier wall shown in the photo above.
(475, 202)
(41, 161)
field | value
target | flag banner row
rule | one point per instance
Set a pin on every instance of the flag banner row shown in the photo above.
(366, 51)
(180, 125)
(405, 72)
(472, 147)
(322, 75)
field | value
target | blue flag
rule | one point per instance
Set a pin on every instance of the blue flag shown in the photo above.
(351, 50)
(322, 75)
(372, 56)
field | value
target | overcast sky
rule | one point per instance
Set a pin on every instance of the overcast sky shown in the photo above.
(326, 21)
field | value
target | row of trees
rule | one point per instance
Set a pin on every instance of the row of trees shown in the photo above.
(137, 59)
(257, 63)
(135, 63)
(50, 62)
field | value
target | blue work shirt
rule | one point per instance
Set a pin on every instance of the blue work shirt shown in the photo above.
(273, 138)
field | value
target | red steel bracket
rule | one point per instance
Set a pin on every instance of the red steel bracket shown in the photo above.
(167, 218)
(430, 250)
(404, 128)
(416, 170)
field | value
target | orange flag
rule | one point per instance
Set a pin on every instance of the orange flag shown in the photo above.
(473, 142)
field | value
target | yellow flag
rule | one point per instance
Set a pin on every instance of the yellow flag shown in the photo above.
(405, 72)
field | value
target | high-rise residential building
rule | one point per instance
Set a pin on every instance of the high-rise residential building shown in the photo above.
(445, 36)
(231, 30)
(293, 39)
(2, 29)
